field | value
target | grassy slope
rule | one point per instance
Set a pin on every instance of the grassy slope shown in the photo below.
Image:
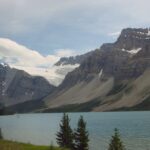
(8, 145)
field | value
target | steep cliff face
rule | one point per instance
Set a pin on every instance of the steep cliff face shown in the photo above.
(130, 38)
(100, 62)
(17, 86)
(124, 59)
(113, 65)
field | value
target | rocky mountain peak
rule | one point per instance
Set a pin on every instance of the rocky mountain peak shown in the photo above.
(115, 58)
(133, 38)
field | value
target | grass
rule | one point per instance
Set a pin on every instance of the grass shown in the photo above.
(9, 145)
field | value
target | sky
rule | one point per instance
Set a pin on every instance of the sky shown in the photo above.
(49, 29)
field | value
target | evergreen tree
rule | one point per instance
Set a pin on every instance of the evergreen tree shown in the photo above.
(116, 143)
(65, 135)
(1, 136)
(81, 135)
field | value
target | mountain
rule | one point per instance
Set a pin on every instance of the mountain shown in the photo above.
(113, 77)
(17, 86)
(73, 59)
(56, 74)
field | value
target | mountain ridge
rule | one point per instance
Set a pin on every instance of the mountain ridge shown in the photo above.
(113, 77)
(114, 62)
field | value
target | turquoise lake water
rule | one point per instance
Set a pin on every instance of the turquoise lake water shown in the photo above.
(40, 129)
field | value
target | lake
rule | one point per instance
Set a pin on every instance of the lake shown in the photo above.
(40, 129)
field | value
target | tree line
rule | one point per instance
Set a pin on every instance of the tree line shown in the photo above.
(78, 139)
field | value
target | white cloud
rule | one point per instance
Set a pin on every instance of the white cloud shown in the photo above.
(19, 55)
(65, 52)
(114, 33)
(75, 24)
(22, 15)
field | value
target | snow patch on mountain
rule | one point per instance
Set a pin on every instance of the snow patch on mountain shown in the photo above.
(55, 74)
(133, 51)
(148, 33)
(100, 73)
(3, 64)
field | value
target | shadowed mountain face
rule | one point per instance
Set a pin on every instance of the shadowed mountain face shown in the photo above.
(113, 67)
(133, 39)
(124, 59)
(17, 86)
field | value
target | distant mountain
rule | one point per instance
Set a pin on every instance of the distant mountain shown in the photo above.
(17, 86)
(56, 74)
(108, 78)
(73, 59)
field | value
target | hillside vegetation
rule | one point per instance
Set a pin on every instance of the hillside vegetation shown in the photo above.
(8, 145)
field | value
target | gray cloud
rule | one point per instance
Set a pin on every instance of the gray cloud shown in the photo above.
(83, 20)
(22, 15)
(19, 55)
